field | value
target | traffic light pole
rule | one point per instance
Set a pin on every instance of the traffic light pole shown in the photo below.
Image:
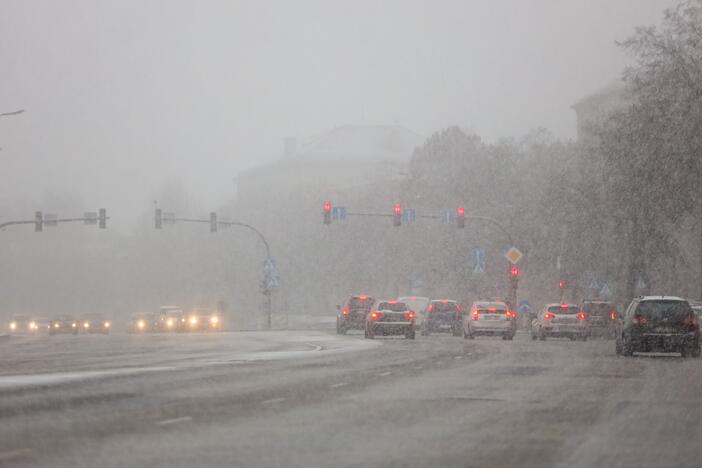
(267, 291)
(61, 220)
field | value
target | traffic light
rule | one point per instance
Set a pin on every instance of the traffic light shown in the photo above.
(561, 284)
(397, 215)
(327, 212)
(38, 221)
(213, 222)
(514, 271)
(158, 218)
(102, 218)
(460, 217)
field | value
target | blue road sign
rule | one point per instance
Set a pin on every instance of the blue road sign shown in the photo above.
(446, 216)
(605, 292)
(409, 215)
(339, 213)
(479, 261)
(524, 307)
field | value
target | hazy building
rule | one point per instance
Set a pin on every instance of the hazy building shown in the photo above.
(591, 109)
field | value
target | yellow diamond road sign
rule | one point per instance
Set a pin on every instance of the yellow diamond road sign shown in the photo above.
(514, 255)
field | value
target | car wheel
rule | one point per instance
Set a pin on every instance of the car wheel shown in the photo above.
(695, 352)
(618, 347)
(509, 337)
(533, 337)
(627, 347)
(410, 334)
(584, 338)
(369, 333)
(456, 331)
(542, 335)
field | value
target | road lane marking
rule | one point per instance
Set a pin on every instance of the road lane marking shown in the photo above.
(54, 378)
(385, 374)
(273, 401)
(337, 385)
(168, 422)
(15, 455)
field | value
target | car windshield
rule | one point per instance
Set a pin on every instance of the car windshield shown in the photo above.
(567, 310)
(392, 306)
(674, 311)
(600, 309)
(360, 303)
(440, 306)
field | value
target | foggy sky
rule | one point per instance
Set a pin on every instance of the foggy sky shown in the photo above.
(123, 96)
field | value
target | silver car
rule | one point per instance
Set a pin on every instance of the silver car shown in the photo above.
(490, 318)
(390, 318)
(560, 320)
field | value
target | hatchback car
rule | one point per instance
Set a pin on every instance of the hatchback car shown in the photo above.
(560, 320)
(389, 318)
(659, 324)
(490, 318)
(442, 315)
(601, 316)
(352, 315)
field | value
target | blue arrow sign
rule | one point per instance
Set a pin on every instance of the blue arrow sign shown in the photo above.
(479, 261)
(446, 216)
(339, 213)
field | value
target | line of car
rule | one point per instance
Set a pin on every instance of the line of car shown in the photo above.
(172, 319)
(649, 323)
(59, 325)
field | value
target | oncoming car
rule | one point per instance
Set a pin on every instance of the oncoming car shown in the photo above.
(560, 320)
(442, 316)
(22, 325)
(659, 324)
(63, 325)
(490, 318)
(352, 315)
(142, 323)
(95, 323)
(389, 318)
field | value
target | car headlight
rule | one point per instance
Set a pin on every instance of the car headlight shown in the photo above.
(32, 325)
(214, 320)
(107, 324)
(193, 320)
(74, 325)
(169, 323)
(141, 324)
(86, 325)
(13, 325)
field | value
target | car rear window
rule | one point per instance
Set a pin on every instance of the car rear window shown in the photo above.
(674, 311)
(598, 309)
(564, 310)
(361, 302)
(492, 310)
(393, 306)
(444, 306)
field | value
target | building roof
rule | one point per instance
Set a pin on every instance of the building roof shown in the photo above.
(363, 141)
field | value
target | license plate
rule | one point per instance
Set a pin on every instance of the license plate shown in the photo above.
(561, 321)
(490, 317)
(664, 330)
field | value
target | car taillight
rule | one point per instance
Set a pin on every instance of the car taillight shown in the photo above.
(431, 307)
(345, 311)
(475, 315)
(613, 315)
(581, 316)
(641, 319)
(375, 315)
(549, 315)
(409, 315)
(510, 314)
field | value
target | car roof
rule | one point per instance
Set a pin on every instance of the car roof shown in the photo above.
(559, 304)
(390, 301)
(659, 298)
(588, 301)
(443, 300)
(412, 298)
(489, 304)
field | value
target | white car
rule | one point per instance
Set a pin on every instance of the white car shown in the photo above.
(561, 320)
(490, 318)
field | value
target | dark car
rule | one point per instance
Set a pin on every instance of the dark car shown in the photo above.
(602, 317)
(389, 318)
(63, 325)
(142, 323)
(352, 315)
(659, 324)
(443, 316)
(95, 323)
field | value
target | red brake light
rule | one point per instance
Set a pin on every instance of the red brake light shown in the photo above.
(431, 307)
(398, 209)
(362, 298)
(409, 315)
(564, 306)
(514, 271)
(444, 302)
(492, 309)
(475, 314)
(510, 314)
(392, 302)
(375, 315)
(549, 315)
(581, 316)
(327, 207)
(345, 311)
(613, 315)
(460, 211)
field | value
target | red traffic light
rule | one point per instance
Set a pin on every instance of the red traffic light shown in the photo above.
(561, 284)
(514, 271)
(461, 217)
(327, 207)
(397, 215)
(460, 211)
(398, 209)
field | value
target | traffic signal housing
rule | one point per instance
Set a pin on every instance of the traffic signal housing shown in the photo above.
(327, 212)
(38, 221)
(158, 218)
(397, 215)
(460, 217)
(102, 218)
(561, 284)
(514, 271)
